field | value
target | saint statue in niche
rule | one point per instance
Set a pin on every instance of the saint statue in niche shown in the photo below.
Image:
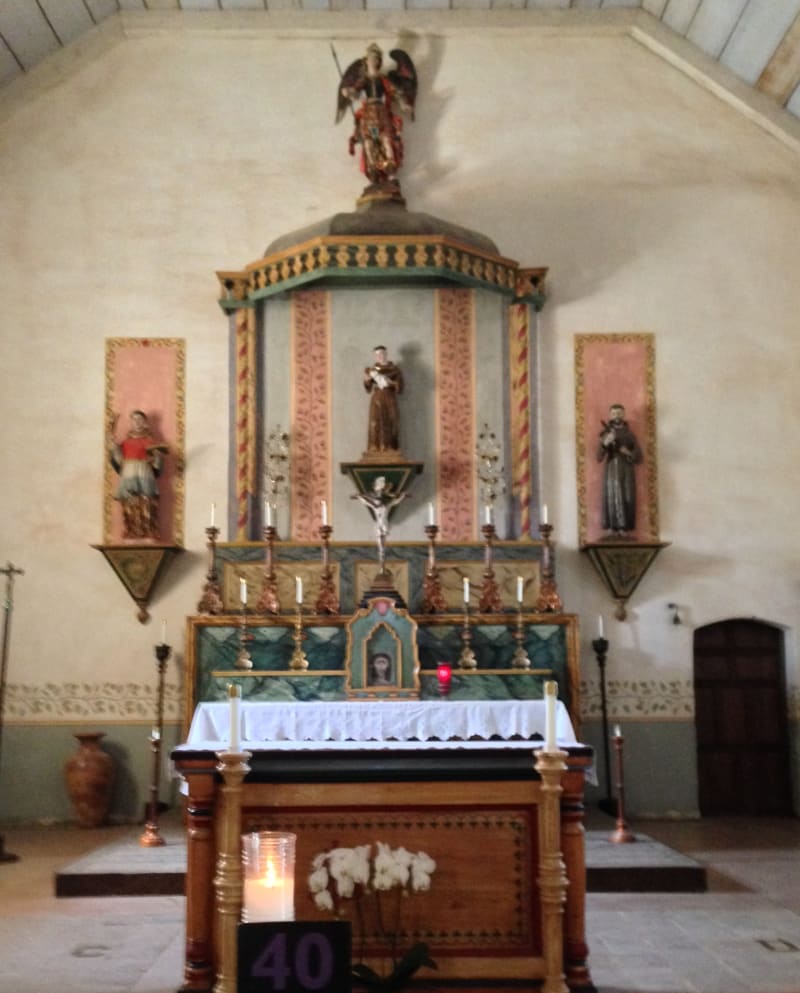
(383, 380)
(377, 123)
(138, 459)
(620, 451)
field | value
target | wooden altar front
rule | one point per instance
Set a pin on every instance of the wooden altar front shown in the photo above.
(503, 823)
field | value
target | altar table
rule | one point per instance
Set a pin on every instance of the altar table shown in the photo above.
(507, 837)
(383, 721)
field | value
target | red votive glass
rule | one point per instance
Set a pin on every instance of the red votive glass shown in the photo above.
(444, 673)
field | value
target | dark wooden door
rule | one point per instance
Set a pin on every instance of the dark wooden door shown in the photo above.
(742, 724)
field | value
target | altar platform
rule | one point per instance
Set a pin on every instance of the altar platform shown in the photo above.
(123, 868)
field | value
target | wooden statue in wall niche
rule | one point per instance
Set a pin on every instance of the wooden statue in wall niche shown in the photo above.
(383, 380)
(620, 451)
(138, 458)
(377, 123)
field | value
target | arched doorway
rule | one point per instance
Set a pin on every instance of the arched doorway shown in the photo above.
(741, 720)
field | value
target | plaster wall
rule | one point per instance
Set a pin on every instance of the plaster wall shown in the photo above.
(129, 178)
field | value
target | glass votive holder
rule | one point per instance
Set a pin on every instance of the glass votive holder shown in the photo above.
(268, 870)
(444, 674)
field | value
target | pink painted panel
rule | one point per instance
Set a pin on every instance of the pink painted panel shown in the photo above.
(311, 439)
(455, 390)
(615, 369)
(147, 374)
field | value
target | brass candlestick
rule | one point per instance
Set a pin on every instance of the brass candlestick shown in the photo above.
(327, 600)
(467, 658)
(243, 660)
(548, 602)
(433, 600)
(298, 662)
(621, 834)
(489, 602)
(520, 659)
(152, 838)
(211, 600)
(268, 602)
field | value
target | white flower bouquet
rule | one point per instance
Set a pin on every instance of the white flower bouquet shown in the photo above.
(382, 879)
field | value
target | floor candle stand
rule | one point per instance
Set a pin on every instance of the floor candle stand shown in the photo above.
(9, 572)
(621, 833)
(600, 648)
(152, 837)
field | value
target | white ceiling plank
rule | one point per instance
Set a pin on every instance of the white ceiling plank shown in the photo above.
(347, 4)
(471, 4)
(101, 9)
(759, 32)
(794, 103)
(131, 4)
(679, 14)
(26, 31)
(714, 23)
(514, 4)
(607, 4)
(244, 4)
(68, 18)
(782, 73)
(584, 4)
(548, 4)
(427, 4)
(199, 4)
(655, 7)
(9, 67)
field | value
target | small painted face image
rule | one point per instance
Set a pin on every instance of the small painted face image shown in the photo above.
(380, 670)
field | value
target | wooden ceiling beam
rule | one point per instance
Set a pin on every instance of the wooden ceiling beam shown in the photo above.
(781, 75)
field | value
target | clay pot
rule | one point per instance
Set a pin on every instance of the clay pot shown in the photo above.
(89, 776)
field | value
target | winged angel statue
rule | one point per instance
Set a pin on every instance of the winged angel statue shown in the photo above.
(378, 124)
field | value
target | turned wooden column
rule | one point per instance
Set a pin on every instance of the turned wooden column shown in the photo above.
(573, 849)
(552, 875)
(228, 877)
(198, 974)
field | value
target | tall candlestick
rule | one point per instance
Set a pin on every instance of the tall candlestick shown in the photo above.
(431, 515)
(243, 591)
(466, 590)
(213, 514)
(234, 735)
(550, 690)
(298, 589)
(325, 513)
(163, 632)
(520, 586)
(599, 625)
(544, 514)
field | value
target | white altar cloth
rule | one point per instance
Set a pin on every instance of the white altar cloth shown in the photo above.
(390, 722)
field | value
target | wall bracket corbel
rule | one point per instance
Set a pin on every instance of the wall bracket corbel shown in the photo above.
(139, 568)
(621, 565)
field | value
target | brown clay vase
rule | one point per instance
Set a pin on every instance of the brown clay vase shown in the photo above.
(89, 776)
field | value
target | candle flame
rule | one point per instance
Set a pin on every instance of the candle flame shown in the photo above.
(271, 878)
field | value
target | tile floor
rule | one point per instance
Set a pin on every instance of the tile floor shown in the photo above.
(742, 936)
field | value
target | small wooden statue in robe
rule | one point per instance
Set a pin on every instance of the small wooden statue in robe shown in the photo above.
(383, 380)
(138, 459)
